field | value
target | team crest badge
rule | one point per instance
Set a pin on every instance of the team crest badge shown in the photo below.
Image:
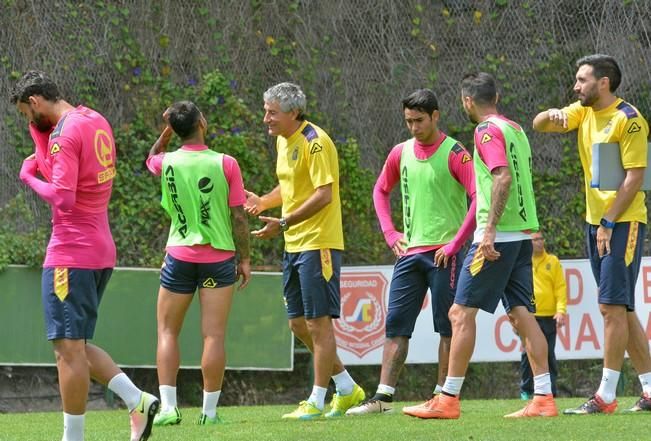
(360, 329)
(486, 138)
(55, 149)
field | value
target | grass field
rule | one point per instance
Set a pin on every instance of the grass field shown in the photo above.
(480, 420)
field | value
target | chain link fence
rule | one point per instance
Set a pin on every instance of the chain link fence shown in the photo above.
(356, 59)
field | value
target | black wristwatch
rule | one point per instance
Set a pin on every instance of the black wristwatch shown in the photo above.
(606, 223)
(283, 224)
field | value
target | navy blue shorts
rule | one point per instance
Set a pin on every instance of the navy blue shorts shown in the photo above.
(482, 283)
(71, 299)
(412, 275)
(183, 277)
(311, 283)
(616, 273)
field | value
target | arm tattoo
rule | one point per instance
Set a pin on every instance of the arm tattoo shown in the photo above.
(240, 224)
(499, 196)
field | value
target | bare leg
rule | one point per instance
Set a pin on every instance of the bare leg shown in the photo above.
(215, 307)
(102, 367)
(74, 375)
(444, 359)
(299, 327)
(394, 355)
(325, 349)
(638, 345)
(533, 338)
(616, 328)
(462, 345)
(170, 313)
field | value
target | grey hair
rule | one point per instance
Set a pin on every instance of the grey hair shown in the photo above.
(289, 96)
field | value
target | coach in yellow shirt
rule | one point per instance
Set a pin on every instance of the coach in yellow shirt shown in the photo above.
(550, 297)
(616, 220)
(308, 191)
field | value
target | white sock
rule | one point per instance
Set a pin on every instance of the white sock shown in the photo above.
(344, 382)
(125, 389)
(453, 385)
(542, 384)
(438, 389)
(317, 398)
(210, 400)
(167, 397)
(386, 390)
(608, 386)
(73, 427)
(645, 381)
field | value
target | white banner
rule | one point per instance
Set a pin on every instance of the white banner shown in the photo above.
(365, 295)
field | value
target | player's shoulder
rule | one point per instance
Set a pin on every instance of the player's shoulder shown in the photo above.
(493, 124)
(457, 147)
(553, 258)
(627, 110)
(78, 121)
(229, 160)
(630, 121)
(316, 138)
(487, 131)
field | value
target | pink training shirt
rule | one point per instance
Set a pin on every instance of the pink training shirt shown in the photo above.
(78, 163)
(493, 152)
(460, 167)
(236, 197)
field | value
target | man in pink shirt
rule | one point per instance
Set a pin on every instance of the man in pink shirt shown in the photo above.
(436, 179)
(75, 156)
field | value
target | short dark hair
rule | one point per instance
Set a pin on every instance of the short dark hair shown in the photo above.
(184, 118)
(423, 100)
(603, 66)
(481, 87)
(35, 82)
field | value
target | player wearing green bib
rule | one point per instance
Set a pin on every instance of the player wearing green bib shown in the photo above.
(436, 178)
(498, 264)
(203, 193)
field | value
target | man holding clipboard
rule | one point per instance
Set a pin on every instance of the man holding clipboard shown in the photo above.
(616, 220)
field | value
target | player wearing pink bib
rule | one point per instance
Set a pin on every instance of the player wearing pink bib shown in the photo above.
(75, 154)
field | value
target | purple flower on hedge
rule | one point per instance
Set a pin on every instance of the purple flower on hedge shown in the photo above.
(137, 71)
(236, 130)
(221, 131)
(213, 136)
(233, 84)
(221, 100)
(192, 81)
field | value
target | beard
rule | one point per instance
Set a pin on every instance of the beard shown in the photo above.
(471, 118)
(589, 98)
(41, 124)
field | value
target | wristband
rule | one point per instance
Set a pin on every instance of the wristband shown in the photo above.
(606, 223)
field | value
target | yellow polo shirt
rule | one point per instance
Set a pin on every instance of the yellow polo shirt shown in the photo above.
(306, 160)
(618, 123)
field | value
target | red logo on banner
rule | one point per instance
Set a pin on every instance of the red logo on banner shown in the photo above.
(360, 329)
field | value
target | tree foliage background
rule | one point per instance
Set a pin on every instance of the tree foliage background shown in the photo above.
(355, 59)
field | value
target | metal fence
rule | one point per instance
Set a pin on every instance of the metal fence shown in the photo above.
(355, 58)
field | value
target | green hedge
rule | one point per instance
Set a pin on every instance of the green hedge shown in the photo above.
(138, 222)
